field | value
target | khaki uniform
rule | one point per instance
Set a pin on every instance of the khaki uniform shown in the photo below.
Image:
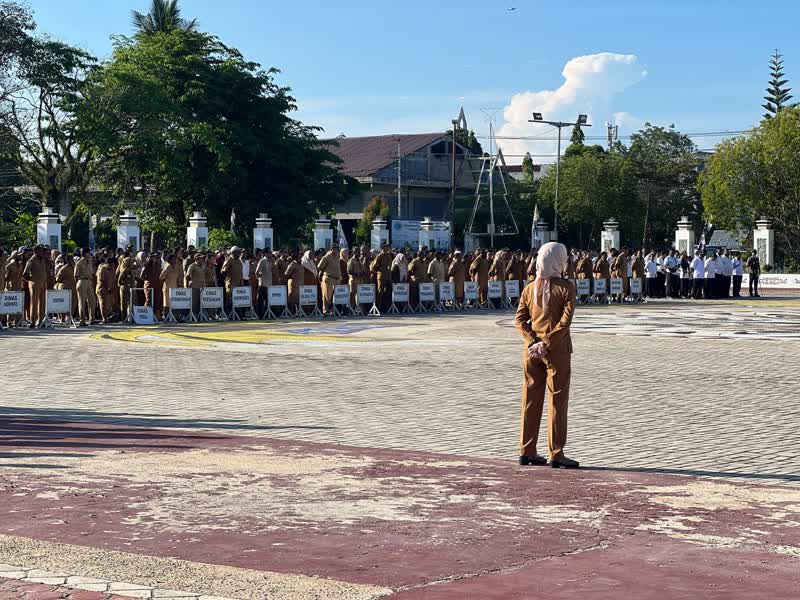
(330, 272)
(232, 270)
(456, 276)
(381, 267)
(294, 278)
(620, 270)
(12, 282)
(151, 274)
(169, 278)
(65, 280)
(196, 280)
(553, 372)
(479, 270)
(417, 273)
(35, 274)
(87, 301)
(126, 280)
(105, 291)
(357, 274)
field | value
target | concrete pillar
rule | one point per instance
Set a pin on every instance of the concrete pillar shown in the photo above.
(323, 234)
(379, 234)
(262, 234)
(197, 232)
(684, 236)
(609, 237)
(426, 233)
(48, 229)
(128, 231)
(764, 241)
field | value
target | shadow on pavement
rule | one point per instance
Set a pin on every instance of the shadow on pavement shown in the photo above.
(699, 473)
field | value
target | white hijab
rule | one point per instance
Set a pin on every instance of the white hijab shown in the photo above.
(551, 262)
(402, 266)
(308, 262)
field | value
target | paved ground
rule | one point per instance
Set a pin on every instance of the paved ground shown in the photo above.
(168, 463)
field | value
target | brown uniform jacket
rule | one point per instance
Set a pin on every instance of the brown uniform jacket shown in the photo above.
(65, 277)
(551, 329)
(232, 270)
(584, 269)
(382, 267)
(601, 269)
(620, 267)
(330, 266)
(105, 279)
(195, 276)
(294, 279)
(637, 268)
(356, 271)
(13, 277)
(479, 269)
(169, 277)
(36, 270)
(417, 273)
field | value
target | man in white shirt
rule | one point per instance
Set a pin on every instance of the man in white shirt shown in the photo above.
(727, 274)
(264, 275)
(711, 277)
(671, 274)
(660, 276)
(737, 273)
(698, 269)
(651, 276)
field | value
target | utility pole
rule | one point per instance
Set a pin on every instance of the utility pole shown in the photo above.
(399, 192)
(452, 211)
(581, 122)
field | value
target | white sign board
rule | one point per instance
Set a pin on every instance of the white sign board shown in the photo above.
(400, 292)
(584, 287)
(277, 295)
(405, 233)
(308, 295)
(470, 290)
(212, 298)
(636, 286)
(495, 289)
(180, 298)
(59, 302)
(778, 281)
(143, 315)
(447, 291)
(512, 288)
(242, 297)
(365, 293)
(599, 286)
(616, 286)
(12, 303)
(341, 295)
(427, 292)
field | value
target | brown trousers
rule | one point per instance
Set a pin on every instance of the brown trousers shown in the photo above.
(38, 298)
(554, 374)
(328, 287)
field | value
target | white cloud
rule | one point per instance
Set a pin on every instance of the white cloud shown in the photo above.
(590, 84)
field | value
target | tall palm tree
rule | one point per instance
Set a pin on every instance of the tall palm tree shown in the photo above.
(164, 16)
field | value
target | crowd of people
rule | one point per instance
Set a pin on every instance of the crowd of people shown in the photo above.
(104, 282)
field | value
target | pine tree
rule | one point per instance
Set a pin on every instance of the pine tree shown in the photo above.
(778, 96)
(577, 136)
(527, 167)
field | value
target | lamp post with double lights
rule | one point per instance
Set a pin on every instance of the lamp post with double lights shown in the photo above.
(581, 122)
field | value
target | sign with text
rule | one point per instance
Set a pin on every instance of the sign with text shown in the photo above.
(470, 290)
(365, 293)
(277, 295)
(59, 302)
(400, 292)
(512, 288)
(616, 285)
(341, 295)
(180, 298)
(599, 286)
(308, 295)
(242, 297)
(447, 291)
(427, 292)
(636, 286)
(584, 287)
(212, 298)
(143, 315)
(495, 289)
(12, 303)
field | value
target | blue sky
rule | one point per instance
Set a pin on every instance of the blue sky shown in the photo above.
(363, 68)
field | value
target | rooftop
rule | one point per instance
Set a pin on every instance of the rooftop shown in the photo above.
(363, 156)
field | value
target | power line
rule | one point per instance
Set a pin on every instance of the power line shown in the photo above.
(604, 138)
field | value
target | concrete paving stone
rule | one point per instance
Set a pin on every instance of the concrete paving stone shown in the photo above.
(91, 587)
(173, 594)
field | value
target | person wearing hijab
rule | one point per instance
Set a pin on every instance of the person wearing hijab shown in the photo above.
(456, 274)
(400, 268)
(310, 272)
(543, 318)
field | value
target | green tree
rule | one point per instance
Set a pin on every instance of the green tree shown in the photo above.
(467, 139)
(577, 136)
(665, 164)
(777, 94)
(164, 16)
(756, 175)
(377, 207)
(527, 167)
(186, 123)
(219, 237)
(16, 25)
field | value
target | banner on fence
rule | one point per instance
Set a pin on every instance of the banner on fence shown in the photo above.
(12, 303)
(495, 289)
(143, 315)
(59, 302)
(400, 292)
(616, 286)
(470, 290)
(365, 293)
(584, 287)
(341, 295)
(447, 291)
(180, 298)
(308, 295)
(427, 292)
(277, 295)
(242, 297)
(512, 289)
(599, 286)
(636, 286)
(212, 298)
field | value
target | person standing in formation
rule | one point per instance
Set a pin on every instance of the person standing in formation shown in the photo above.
(698, 269)
(264, 276)
(710, 289)
(330, 276)
(456, 276)
(168, 278)
(105, 288)
(737, 272)
(233, 272)
(543, 318)
(357, 275)
(437, 272)
(754, 267)
(381, 268)
(400, 268)
(65, 280)
(12, 282)
(195, 279)
(87, 301)
(35, 274)
(416, 274)
(479, 270)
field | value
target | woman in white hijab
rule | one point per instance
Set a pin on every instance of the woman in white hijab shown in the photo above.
(543, 318)
(310, 275)
(400, 268)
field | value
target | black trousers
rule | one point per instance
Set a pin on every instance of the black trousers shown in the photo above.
(737, 286)
(685, 287)
(754, 284)
(719, 282)
(660, 291)
(709, 290)
(697, 288)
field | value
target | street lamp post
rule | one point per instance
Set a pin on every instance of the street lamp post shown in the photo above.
(581, 122)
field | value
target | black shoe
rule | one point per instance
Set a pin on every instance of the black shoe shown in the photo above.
(536, 460)
(566, 463)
